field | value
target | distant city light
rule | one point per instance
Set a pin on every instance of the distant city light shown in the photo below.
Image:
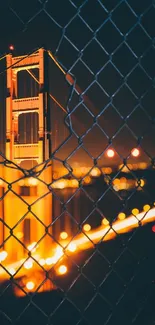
(110, 153)
(146, 207)
(63, 235)
(19, 235)
(105, 222)
(95, 172)
(28, 264)
(32, 247)
(135, 211)
(62, 269)
(3, 256)
(11, 47)
(121, 216)
(135, 152)
(30, 285)
(86, 227)
(153, 228)
(49, 261)
(72, 247)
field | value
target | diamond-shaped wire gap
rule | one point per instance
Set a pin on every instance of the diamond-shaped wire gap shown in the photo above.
(38, 26)
(109, 37)
(99, 14)
(67, 53)
(139, 7)
(147, 101)
(48, 301)
(110, 79)
(124, 141)
(81, 120)
(147, 141)
(110, 120)
(101, 56)
(66, 148)
(26, 10)
(84, 76)
(125, 101)
(148, 21)
(98, 97)
(80, 158)
(95, 141)
(10, 306)
(62, 315)
(139, 122)
(128, 18)
(53, 9)
(14, 20)
(147, 62)
(98, 309)
(126, 265)
(81, 292)
(138, 40)
(110, 203)
(112, 288)
(5, 320)
(66, 223)
(138, 81)
(80, 36)
(30, 313)
(124, 66)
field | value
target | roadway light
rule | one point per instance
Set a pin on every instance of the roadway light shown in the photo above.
(63, 235)
(62, 269)
(135, 152)
(110, 153)
(30, 285)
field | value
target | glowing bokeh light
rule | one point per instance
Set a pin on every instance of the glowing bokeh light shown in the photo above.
(135, 152)
(32, 247)
(30, 285)
(146, 207)
(86, 227)
(153, 228)
(110, 153)
(105, 222)
(62, 269)
(28, 264)
(12, 271)
(135, 211)
(72, 247)
(3, 256)
(63, 235)
(121, 216)
(11, 47)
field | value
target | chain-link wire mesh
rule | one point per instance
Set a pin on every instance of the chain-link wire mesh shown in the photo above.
(77, 162)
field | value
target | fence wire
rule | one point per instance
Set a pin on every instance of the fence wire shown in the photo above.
(77, 161)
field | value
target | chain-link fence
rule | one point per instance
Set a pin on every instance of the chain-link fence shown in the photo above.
(77, 162)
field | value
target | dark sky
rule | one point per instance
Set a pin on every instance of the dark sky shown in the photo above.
(108, 47)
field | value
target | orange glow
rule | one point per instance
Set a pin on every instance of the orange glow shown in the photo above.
(110, 153)
(135, 152)
(63, 235)
(1, 182)
(121, 216)
(87, 180)
(30, 285)
(19, 234)
(28, 264)
(62, 269)
(86, 227)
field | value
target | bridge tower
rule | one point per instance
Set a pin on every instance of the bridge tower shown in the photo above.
(21, 213)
